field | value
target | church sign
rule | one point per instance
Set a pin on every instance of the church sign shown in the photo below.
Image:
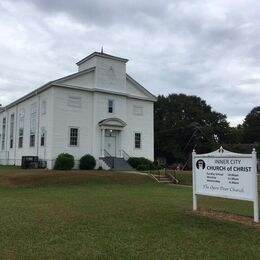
(227, 175)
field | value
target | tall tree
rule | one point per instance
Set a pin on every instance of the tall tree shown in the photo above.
(234, 135)
(185, 122)
(251, 126)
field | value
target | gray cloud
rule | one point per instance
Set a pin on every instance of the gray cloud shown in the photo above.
(204, 48)
(100, 12)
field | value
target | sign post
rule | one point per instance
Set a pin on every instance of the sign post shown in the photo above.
(256, 212)
(227, 175)
(193, 182)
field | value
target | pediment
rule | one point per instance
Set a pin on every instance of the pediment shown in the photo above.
(113, 122)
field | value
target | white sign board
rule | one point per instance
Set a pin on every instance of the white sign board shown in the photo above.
(227, 175)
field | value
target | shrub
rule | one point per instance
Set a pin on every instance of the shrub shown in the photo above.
(157, 166)
(134, 161)
(141, 163)
(64, 161)
(87, 162)
(142, 167)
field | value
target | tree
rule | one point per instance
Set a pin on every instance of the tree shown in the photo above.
(258, 150)
(251, 126)
(234, 135)
(185, 122)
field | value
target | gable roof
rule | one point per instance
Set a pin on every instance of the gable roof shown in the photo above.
(141, 88)
(74, 75)
(103, 55)
(60, 83)
(43, 88)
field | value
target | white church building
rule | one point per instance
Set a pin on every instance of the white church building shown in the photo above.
(99, 110)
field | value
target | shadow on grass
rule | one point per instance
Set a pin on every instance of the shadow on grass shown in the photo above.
(37, 178)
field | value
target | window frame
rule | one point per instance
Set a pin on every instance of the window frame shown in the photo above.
(140, 133)
(32, 140)
(21, 127)
(33, 125)
(113, 106)
(43, 137)
(20, 141)
(11, 137)
(78, 134)
(4, 128)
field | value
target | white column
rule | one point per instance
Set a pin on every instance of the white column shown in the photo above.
(120, 143)
(102, 142)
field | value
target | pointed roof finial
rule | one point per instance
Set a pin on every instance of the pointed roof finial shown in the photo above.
(102, 49)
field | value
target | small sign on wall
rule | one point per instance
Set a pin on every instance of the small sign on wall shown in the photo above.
(227, 175)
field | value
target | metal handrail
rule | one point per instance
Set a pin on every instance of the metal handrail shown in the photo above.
(173, 178)
(126, 156)
(107, 154)
(109, 159)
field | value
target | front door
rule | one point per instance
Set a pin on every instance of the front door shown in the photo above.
(110, 145)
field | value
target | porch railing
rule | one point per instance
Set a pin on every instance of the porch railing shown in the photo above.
(125, 155)
(109, 159)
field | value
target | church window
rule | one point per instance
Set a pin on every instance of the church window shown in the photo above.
(33, 125)
(12, 131)
(74, 136)
(138, 140)
(21, 128)
(3, 133)
(110, 106)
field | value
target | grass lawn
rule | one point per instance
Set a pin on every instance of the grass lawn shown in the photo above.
(184, 177)
(103, 215)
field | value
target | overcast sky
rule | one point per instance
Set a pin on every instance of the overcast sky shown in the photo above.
(197, 47)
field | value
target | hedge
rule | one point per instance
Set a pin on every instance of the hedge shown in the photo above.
(141, 163)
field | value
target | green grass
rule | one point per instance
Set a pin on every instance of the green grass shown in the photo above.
(102, 215)
(185, 177)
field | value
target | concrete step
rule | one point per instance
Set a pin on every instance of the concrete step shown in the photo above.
(117, 164)
(121, 165)
(163, 179)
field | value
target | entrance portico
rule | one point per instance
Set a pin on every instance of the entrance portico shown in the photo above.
(111, 137)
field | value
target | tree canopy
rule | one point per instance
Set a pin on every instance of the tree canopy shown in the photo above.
(185, 122)
(251, 126)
